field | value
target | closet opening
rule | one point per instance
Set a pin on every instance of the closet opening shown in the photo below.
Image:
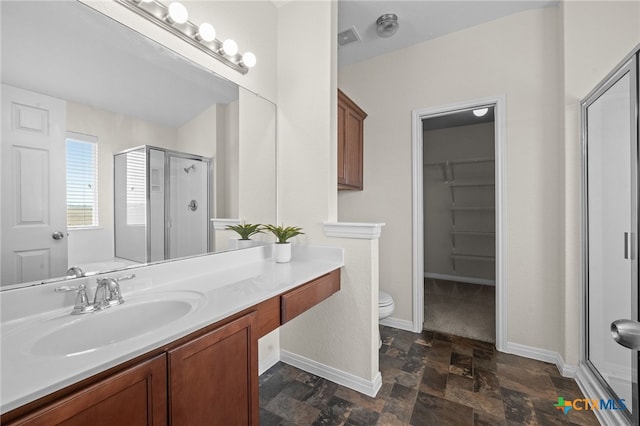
(459, 222)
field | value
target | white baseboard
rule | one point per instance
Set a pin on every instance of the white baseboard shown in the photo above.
(367, 387)
(470, 280)
(567, 370)
(401, 324)
(266, 363)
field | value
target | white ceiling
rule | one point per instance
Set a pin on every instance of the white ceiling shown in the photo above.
(419, 21)
(66, 50)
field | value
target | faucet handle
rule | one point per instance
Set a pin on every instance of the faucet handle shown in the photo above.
(75, 272)
(107, 293)
(82, 305)
(115, 296)
(101, 298)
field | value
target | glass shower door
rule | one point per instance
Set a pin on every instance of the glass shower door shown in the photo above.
(187, 207)
(611, 221)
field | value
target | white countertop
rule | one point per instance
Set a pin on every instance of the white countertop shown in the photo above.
(219, 285)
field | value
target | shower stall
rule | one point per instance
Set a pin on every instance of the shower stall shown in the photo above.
(161, 200)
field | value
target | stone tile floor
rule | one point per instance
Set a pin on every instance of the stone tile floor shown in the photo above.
(428, 379)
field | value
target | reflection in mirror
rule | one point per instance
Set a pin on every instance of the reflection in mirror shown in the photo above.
(79, 89)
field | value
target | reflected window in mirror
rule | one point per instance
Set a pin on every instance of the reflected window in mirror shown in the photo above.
(82, 180)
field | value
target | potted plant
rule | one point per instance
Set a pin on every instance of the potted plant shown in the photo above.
(282, 247)
(245, 231)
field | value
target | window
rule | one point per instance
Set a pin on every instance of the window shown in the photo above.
(82, 180)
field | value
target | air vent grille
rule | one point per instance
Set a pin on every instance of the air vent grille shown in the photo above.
(348, 36)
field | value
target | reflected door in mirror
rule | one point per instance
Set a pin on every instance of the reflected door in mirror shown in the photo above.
(34, 225)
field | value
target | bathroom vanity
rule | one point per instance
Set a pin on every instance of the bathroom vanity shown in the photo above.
(201, 368)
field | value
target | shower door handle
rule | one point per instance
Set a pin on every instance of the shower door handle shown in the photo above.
(626, 333)
(628, 245)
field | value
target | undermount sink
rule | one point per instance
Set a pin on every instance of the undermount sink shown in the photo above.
(86, 333)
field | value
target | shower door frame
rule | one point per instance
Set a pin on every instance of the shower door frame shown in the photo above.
(210, 198)
(167, 184)
(588, 376)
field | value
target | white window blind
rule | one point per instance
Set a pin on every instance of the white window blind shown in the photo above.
(136, 188)
(82, 180)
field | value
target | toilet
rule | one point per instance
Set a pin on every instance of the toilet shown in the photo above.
(385, 309)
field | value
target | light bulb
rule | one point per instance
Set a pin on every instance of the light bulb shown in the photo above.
(178, 13)
(206, 32)
(480, 112)
(249, 60)
(229, 47)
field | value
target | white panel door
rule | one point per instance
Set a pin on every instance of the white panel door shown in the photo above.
(612, 231)
(34, 222)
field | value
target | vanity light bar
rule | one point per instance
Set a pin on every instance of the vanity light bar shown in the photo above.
(175, 19)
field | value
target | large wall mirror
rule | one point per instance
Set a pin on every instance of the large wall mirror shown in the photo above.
(116, 151)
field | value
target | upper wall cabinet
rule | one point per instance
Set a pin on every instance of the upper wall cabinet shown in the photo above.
(350, 141)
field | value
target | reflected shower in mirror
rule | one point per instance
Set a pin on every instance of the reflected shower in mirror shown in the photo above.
(79, 88)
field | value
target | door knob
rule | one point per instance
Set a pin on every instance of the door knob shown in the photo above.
(57, 235)
(626, 333)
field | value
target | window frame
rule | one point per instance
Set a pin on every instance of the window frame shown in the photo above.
(93, 141)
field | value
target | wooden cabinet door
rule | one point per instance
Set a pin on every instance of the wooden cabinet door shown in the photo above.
(350, 143)
(134, 397)
(353, 155)
(341, 144)
(213, 380)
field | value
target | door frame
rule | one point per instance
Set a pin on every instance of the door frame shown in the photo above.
(588, 377)
(417, 115)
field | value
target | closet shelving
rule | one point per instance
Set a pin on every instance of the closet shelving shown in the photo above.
(449, 178)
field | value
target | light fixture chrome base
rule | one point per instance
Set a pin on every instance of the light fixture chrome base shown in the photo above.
(387, 25)
(156, 12)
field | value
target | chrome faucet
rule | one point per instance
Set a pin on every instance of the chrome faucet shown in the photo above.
(75, 272)
(107, 293)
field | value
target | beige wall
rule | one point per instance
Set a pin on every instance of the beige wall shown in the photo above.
(597, 36)
(257, 159)
(518, 57)
(198, 135)
(543, 61)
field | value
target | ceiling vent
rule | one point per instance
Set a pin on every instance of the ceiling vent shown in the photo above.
(348, 36)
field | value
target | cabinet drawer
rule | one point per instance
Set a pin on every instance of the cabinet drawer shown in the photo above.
(308, 295)
(268, 316)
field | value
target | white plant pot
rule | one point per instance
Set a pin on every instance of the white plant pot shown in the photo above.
(244, 244)
(282, 252)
